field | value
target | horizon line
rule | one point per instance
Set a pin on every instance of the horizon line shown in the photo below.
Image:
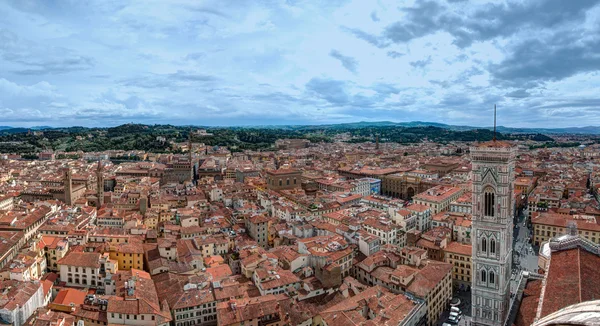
(8, 127)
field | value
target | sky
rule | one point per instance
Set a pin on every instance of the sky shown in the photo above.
(262, 62)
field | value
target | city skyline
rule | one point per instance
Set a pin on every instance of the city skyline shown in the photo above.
(298, 63)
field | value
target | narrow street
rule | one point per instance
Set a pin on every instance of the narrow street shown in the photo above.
(526, 257)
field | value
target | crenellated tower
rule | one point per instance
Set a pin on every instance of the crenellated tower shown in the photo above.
(68, 185)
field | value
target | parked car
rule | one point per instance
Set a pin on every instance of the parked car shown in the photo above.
(455, 315)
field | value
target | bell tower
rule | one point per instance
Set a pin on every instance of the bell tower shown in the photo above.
(68, 185)
(190, 155)
(99, 185)
(493, 165)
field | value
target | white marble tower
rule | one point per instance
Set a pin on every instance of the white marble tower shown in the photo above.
(493, 184)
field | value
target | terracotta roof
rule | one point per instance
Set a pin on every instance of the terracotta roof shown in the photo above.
(14, 293)
(572, 278)
(459, 248)
(529, 303)
(81, 259)
(247, 309)
(428, 278)
(67, 296)
(388, 309)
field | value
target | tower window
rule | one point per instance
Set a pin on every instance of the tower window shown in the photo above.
(489, 202)
(493, 246)
(484, 244)
(483, 276)
(491, 277)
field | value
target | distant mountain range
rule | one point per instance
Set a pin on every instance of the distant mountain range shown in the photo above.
(22, 128)
(587, 130)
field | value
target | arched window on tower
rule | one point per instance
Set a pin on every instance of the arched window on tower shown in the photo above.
(493, 246)
(484, 244)
(489, 200)
(492, 277)
(483, 276)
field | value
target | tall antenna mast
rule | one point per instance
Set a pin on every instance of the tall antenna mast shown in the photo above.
(494, 122)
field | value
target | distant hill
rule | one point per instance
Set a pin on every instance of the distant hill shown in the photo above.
(128, 128)
(587, 130)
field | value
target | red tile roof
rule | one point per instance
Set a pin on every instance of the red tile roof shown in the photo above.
(573, 277)
(459, 248)
(529, 303)
(81, 259)
(67, 296)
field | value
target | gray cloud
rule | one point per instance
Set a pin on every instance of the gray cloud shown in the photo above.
(348, 62)
(336, 93)
(34, 59)
(377, 41)
(421, 63)
(454, 100)
(420, 21)
(209, 11)
(395, 54)
(174, 80)
(536, 61)
(374, 16)
(572, 103)
(487, 23)
(333, 91)
(520, 93)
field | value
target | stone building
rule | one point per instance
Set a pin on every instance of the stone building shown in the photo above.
(284, 179)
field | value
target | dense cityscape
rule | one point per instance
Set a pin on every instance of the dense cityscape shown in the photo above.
(327, 233)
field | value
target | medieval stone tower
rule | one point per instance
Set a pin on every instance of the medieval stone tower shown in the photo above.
(68, 185)
(99, 185)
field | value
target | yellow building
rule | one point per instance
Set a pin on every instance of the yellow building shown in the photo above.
(459, 255)
(525, 184)
(151, 221)
(549, 225)
(128, 255)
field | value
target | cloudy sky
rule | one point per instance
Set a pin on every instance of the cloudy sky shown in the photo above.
(238, 62)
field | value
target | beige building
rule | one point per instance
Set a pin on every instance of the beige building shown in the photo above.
(438, 198)
(80, 269)
(433, 284)
(549, 225)
(55, 249)
(258, 229)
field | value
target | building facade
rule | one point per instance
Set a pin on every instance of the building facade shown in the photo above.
(284, 179)
(493, 183)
